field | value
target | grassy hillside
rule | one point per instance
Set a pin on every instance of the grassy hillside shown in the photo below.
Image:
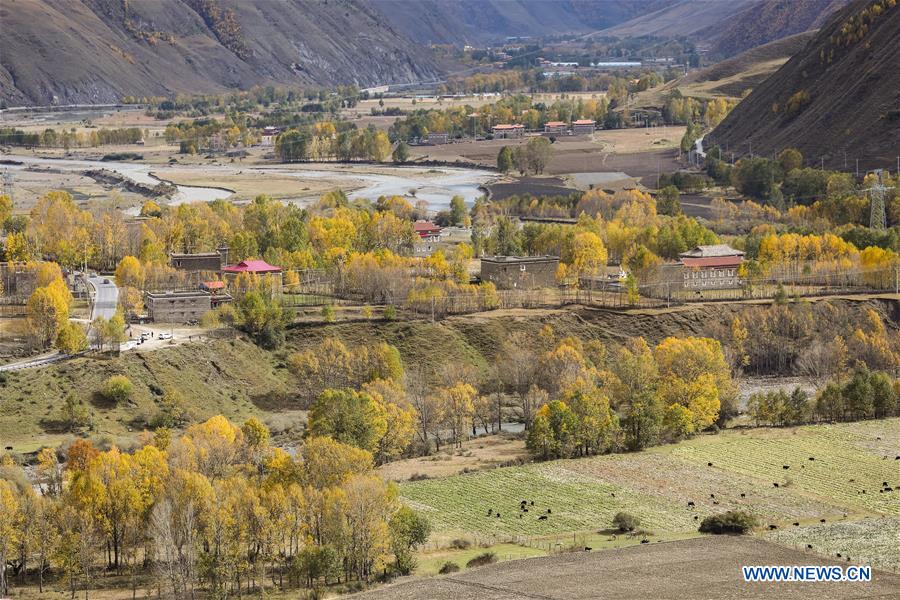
(656, 485)
(230, 377)
(236, 378)
(836, 98)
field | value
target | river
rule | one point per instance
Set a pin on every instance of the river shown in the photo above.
(435, 185)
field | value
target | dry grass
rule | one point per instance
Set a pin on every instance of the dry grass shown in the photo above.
(477, 454)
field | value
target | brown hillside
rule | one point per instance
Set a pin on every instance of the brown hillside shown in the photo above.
(840, 94)
(768, 20)
(93, 51)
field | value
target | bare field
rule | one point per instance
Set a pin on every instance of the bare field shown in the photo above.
(707, 567)
(637, 152)
(480, 453)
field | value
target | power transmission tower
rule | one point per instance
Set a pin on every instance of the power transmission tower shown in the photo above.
(877, 217)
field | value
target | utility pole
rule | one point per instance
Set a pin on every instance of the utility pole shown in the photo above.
(857, 168)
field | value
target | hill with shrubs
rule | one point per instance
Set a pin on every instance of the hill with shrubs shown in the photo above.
(836, 98)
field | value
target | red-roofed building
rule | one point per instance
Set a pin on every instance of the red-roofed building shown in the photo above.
(583, 127)
(251, 266)
(506, 130)
(711, 267)
(555, 127)
(260, 268)
(212, 286)
(427, 230)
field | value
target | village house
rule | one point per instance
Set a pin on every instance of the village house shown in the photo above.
(520, 272)
(508, 131)
(583, 127)
(200, 261)
(427, 231)
(711, 267)
(436, 138)
(268, 135)
(177, 307)
(555, 127)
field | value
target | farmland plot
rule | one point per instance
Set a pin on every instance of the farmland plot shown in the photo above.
(845, 464)
(656, 485)
(873, 541)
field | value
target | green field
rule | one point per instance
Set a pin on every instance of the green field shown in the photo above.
(656, 485)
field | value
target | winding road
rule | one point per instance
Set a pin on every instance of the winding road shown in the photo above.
(105, 298)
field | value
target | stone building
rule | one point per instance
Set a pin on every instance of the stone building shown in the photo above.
(177, 307)
(520, 272)
(200, 261)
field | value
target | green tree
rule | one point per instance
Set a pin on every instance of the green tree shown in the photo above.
(349, 417)
(117, 389)
(262, 316)
(409, 530)
(505, 160)
(292, 146)
(457, 210)
(401, 153)
(667, 201)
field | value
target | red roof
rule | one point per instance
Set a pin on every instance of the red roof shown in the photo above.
(251, 266)
(554, 124)
(508, 126)
(584, 122)
(713, 261)
(425, 227)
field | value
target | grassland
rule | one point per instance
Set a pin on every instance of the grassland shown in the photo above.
(656, 486)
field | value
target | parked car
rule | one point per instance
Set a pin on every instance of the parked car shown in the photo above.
(145, 336)
(164, 336)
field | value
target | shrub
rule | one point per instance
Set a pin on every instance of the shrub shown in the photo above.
(624, 521)
(390, 313)
(117, 389)
(733, 521)
(460, 544)
(486, 558)
(448, 567)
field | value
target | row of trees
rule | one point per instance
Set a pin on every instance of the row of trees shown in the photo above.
(531, 157)
(70, 138)
(864, 395)
(322, 141)
(217, 510)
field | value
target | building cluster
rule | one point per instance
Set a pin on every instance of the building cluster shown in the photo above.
(214, 278)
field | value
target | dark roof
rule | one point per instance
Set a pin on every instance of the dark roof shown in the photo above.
(518, 259)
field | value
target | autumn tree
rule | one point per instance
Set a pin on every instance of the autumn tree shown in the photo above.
(349, 417)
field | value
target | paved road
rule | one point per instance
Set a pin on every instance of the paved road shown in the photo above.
(106, 297)
(37, 361)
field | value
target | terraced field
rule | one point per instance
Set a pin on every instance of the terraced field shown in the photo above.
(656, 485)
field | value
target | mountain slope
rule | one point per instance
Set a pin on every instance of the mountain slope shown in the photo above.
(486, 21)
(100, 50)
(841, 93)
(767, 21)
(683, 18)
(733, 77)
